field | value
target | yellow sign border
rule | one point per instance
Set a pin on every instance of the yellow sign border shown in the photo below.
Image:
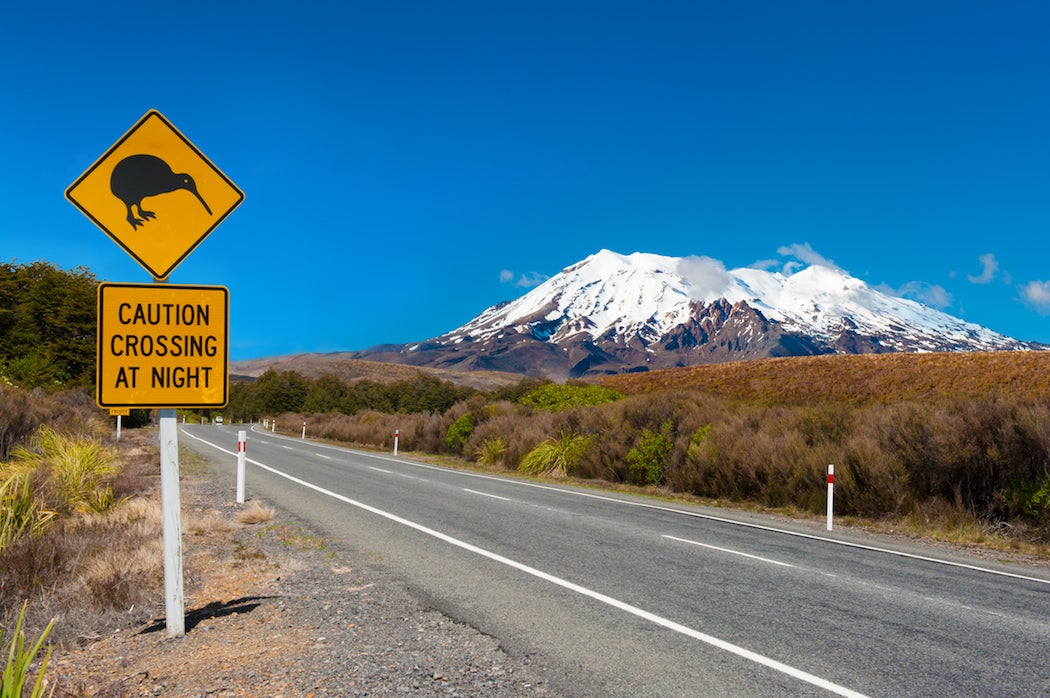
(147, 402)
(162, 273)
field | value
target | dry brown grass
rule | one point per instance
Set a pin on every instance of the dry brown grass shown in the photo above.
(255, 513)
(867, 378)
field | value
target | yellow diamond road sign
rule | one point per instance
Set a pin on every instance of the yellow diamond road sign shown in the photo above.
(155, 194)
(162, 345)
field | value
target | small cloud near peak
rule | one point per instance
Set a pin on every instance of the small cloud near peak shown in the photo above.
(989, 270)
(804, 254)
(707, 277)
(927, 294)
(529, 279)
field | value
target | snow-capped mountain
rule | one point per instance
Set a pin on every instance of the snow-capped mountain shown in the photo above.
(614, 313)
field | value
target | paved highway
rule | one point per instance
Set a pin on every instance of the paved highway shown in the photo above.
(621, 596)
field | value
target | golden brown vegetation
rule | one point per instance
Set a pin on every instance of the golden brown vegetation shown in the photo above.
(867, 378)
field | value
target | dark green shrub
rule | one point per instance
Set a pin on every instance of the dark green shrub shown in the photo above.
(457, 433)
(647, 461)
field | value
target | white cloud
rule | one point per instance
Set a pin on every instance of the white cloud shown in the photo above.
(1037, 295)
(527, 280)
(989, 269)
(530, 279)
(706, 276)
(806, 254)
(926, 293)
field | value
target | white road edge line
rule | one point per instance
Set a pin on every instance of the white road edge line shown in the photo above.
(565, 584)
(710, 517)
(727, 550)
(486, 494)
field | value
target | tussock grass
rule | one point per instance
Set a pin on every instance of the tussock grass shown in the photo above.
(74, 471)
(555, 457)
(21, 513)
(255, 513)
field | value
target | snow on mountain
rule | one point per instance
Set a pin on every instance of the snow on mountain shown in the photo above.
(612, 313)
(645, 296)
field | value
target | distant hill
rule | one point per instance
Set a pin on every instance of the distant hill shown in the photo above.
(350, 370)
(613, 313)
(902, 377)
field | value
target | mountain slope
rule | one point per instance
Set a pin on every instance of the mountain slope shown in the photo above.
(613, 313)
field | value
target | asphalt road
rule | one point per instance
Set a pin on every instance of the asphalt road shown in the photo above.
(621, 596)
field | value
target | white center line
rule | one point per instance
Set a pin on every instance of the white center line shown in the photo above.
(486, 494)
(321, 455)
(381, 470)
(731, 552)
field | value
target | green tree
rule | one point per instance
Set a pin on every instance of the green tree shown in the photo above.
(47, 325)
(325, 394)
(280, 392)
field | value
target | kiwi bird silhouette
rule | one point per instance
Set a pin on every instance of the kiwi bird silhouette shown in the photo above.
(138, 176)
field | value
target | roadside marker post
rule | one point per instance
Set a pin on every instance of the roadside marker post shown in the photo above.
(242, 454)
(304, 430)
(397, 435)
(831, 493)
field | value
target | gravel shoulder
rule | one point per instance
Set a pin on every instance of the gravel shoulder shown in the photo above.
(274, 609)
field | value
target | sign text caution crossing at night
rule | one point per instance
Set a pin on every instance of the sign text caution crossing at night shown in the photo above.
(162, 345)
(155, 194)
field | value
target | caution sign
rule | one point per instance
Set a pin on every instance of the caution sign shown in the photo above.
(161, 345)
(155, 194)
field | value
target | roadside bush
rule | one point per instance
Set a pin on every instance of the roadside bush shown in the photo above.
(458, 432)
(519, 428)
(555, 397)
(646, 462)
(491, 451)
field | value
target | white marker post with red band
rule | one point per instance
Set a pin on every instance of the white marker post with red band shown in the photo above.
(831, 493)
(242, 454)
(397, 435)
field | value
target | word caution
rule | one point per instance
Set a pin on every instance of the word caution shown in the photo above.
(162, 345)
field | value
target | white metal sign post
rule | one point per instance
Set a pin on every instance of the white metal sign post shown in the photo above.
(175, 617)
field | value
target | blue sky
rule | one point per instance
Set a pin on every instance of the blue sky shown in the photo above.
(408, 164)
